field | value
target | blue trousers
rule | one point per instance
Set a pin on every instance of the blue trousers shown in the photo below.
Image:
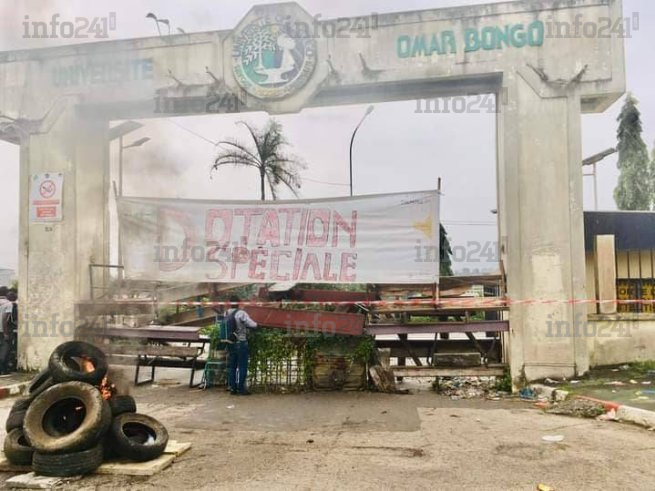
(238, 366)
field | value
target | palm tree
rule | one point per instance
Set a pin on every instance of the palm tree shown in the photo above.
(274, 165)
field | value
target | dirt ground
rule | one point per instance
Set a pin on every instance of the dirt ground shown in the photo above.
(363, 440)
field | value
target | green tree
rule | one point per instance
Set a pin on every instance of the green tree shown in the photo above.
(635, 188)
(266, 154)
(445, 264)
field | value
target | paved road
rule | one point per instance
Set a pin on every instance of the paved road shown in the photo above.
(374, 441)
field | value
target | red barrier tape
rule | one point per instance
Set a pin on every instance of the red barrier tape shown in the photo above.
(468, 302)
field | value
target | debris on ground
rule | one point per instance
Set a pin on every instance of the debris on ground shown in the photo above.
(469, 388)
(34, 481)
(528, 394)
(384, 379)
(550, 381)
(608, 416)
(544, 487)
(580, 408)
(553, 438)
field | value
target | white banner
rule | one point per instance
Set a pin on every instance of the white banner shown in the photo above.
(46, 191)
(390, 238)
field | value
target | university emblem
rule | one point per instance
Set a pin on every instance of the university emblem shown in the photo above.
(270, 61)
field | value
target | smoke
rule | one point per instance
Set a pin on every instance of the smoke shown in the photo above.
(13, 16)
(157, 158)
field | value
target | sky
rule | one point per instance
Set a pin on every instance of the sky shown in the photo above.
(396, 149)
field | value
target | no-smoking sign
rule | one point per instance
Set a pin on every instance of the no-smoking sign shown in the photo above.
(46, 197)
(47, 189)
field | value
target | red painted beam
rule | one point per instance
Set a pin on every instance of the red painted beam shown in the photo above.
(308, 321)
(442, 327)
(307, 295)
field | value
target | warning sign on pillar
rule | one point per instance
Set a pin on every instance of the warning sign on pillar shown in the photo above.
(46, 197)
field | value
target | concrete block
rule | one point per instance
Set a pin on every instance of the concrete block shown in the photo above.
(641, 417)
(550, 393)
(34, 481)
(605, 266)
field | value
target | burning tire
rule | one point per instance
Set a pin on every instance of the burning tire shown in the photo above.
(122, 404)
(68, 417)
(15, 420)
(17, 449)
(68, 464)
(138, 437)
(39, 383)
(67, 363)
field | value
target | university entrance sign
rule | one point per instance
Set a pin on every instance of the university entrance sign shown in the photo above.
(527, 51)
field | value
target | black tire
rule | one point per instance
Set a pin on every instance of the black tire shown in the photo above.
(17, 449)
(130, 433)
(68, 464)
(122, 404)
(20, 404)
(65, 369)
(39, 383)
(15, 420)
(109, 448)
(54, 424)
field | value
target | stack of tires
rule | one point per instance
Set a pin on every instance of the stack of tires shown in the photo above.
(63, 427)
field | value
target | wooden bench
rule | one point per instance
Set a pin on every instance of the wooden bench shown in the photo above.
(150, 347)
(153, 356)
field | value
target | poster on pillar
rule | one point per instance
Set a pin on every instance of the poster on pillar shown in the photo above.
(46, 191)
(387, 238)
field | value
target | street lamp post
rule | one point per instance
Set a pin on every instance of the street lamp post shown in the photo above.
(369, 110)
(593, 160)
(134, 144)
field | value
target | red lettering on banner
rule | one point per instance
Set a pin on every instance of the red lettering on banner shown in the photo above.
(311, 261)
(290, 214)
(339, 222)
(346, 264)
(327, 275)
(269, 230)
(240, 255)
(255, 263)
(214, 248)
(247, 214)
(226, 217)
(296, 264)
(303, 227)
(164, 217)
(275, 265)
(322, 216)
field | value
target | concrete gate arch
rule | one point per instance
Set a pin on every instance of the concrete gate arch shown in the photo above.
(63, 99)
